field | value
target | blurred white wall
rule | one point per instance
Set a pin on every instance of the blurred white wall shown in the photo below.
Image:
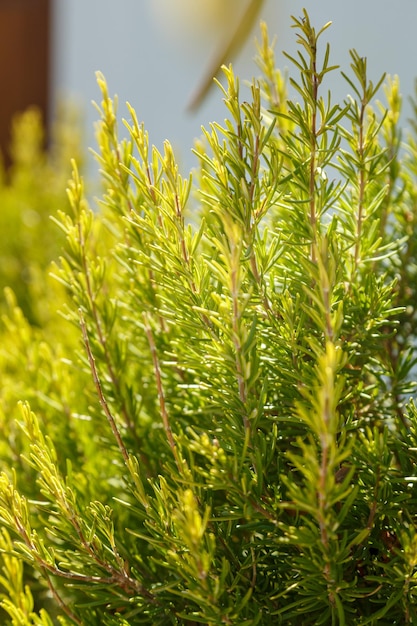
(153, 57)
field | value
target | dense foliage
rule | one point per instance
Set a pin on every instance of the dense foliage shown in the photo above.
(222, 432)
(32, 190)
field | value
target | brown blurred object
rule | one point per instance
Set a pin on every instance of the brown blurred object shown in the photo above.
(24, 61)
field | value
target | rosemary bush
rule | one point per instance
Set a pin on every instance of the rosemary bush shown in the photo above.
(224, 431)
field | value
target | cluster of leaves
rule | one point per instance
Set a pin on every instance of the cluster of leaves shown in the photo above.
(229, 442)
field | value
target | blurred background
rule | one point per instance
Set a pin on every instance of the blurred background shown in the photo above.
(154, 53)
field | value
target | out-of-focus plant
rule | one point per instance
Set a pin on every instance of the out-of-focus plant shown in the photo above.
(33, 189)
(232, 20)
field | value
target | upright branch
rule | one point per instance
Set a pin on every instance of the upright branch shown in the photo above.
(315, 82)
(93, 276)
(161, 395)
(235, 286)
(311, 78)
(366, 160)
(100, 394)
(317, 141)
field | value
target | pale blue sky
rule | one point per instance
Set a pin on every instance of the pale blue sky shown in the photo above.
(145, 64)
